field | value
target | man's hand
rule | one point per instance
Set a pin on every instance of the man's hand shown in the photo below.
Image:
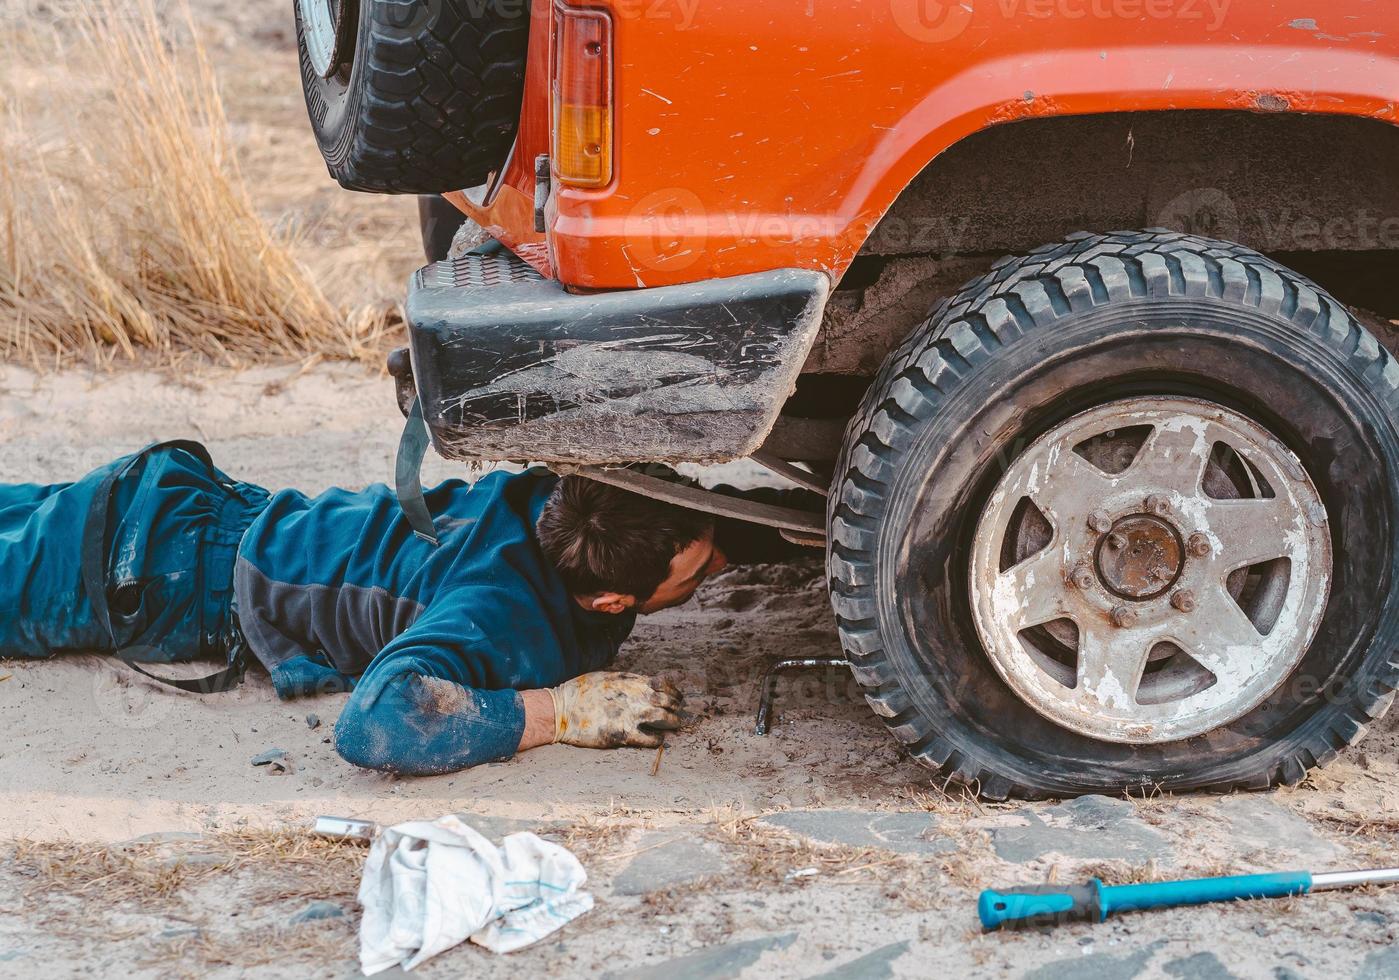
(609, 709)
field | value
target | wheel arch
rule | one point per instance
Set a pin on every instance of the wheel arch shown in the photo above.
(1068, 85)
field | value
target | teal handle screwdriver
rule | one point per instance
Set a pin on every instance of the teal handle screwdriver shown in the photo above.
(1095, 901)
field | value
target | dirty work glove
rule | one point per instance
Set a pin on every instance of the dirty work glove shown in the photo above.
(608, 709)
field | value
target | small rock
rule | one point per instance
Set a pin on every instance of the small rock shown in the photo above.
(313, 720)
(1201, 966)
(1372, 917)
(317, 911)
(268, 757)
(179, 932)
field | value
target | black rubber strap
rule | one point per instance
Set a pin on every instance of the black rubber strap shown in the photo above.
(408, 484)
(215, 683)
(95, 544)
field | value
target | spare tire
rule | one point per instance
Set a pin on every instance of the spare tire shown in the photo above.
(412, 96)
(1123, 514)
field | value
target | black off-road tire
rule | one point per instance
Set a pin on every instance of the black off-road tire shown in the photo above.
(427, 100)
(1036, 340)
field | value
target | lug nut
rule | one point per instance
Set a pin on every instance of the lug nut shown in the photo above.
(1198, 545)
(1122, 617)
(1100, 521)
(1158, 505)
(1081, 578)
(1184, 600)
(1116, 542)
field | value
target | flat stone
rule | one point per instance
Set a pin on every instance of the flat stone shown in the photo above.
(316, 912)
(1258, 823)
(1382, 964)
(712, 963)
(1201, 966)
(904, 832)
(664, 861)
(163, 837)
(1088, 828)
(1097, 966)
(877, 965)
(12, 954)
(268, 757)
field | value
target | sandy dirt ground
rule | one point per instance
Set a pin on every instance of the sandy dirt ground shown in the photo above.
(138, 839)
(149, 844)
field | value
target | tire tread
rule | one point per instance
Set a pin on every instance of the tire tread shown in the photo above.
(991, 312)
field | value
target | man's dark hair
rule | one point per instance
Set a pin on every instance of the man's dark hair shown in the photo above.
(604, 539)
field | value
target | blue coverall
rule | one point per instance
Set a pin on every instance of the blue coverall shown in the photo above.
(332, 592)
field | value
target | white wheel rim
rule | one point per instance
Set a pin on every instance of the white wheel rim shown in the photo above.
(321, 32)
(1135, 675)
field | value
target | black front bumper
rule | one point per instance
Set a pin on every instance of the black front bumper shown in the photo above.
(509, 365)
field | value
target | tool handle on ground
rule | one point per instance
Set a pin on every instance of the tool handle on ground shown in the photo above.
(1041, 904)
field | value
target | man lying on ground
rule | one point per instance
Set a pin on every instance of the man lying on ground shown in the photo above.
(490, 642)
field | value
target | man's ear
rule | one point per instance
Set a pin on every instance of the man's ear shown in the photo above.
(611, 602)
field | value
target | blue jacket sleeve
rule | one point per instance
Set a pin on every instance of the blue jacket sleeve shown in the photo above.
(414, 713)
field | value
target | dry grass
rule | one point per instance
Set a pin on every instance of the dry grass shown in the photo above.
(288, 865)
(125, 225)
(98, 893)
(776, 856)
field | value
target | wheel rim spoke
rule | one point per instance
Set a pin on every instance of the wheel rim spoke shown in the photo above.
(1065, 484)
(1174, 456)
(1252, 531)
(1032, 592)
(1222, 639)
(1110, 665)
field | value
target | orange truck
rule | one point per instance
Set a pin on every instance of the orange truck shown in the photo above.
(1075, 310)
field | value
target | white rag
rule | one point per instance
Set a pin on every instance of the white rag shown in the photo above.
(429, 885)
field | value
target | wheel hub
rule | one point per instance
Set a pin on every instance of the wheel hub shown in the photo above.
(1150, 570)
(1140, 558)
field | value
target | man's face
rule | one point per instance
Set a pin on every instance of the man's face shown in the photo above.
(691, 566)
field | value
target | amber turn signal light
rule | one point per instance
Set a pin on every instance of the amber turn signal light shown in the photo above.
(582, 96)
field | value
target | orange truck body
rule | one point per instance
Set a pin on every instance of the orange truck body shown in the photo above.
(751, 137)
